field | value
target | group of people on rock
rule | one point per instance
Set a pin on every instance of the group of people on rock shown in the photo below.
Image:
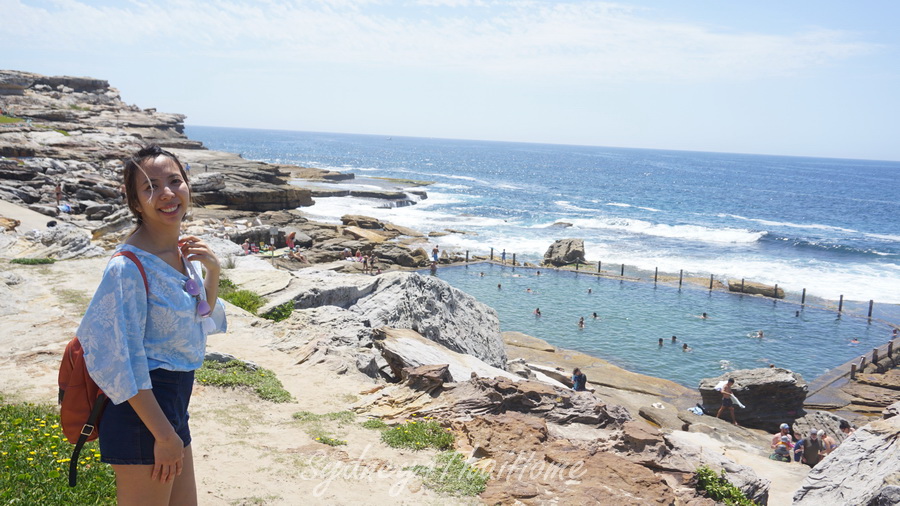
(809, 450)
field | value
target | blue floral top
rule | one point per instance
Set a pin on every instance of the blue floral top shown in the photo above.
(126, 332)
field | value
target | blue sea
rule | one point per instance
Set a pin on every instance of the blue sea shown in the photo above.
(825, 225)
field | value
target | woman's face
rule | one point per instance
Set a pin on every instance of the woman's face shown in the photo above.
(163, 194)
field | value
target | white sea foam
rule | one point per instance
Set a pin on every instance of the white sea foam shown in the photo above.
(448, 186)
(688, 232)
(787, 224)
(565, 204)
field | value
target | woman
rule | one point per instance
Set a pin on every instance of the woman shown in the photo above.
(142, 346)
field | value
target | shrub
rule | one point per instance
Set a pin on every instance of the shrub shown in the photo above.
(280, 312)
(34, 461)
(452, 475)
(237, 374)
(245, 299)
(718, 488)
(418, 435)
(32, 261)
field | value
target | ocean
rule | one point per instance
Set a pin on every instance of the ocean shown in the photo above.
(825, 225)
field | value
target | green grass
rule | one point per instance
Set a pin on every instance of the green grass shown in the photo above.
(280, 312)
(418, 435)
(8, 119)
(237, 374)
(314, 425)
(374, 424)
(718, 488)
(32, 261)
(79, 108)
(251, 301)
(452, 475)
(34, 461)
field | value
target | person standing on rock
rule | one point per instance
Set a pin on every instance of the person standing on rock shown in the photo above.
(727, 402)
(813, 449)
(143, 342)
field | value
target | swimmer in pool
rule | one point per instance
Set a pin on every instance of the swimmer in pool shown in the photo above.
(595, 315)
(537, 311)
(581, 322)
(590, 291)
(674, 339)
(660, 342)
(499, 286)
(759, 334)
(685, 347)
(854, 341)
(704, 316)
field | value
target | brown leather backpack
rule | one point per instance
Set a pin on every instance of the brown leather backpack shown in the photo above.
(81, 401)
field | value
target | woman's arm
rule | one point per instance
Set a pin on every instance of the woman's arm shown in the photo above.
(168, 449)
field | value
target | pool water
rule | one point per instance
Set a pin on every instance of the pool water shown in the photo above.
(633, 316)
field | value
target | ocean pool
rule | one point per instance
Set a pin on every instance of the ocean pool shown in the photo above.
(634, 315)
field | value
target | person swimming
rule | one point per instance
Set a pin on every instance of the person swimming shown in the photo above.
(537, 311)
(854, 341)
(685, 347)
(594, 315)
(581, 322)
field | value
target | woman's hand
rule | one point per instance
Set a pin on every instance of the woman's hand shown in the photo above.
(168, 458)
(192, 248)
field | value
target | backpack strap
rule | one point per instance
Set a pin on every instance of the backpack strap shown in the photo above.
(131, 256)
(99, 404)
(102, 399)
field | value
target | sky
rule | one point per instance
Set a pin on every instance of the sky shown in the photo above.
(806, 78)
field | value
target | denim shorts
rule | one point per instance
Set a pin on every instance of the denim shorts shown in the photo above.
(124, 439)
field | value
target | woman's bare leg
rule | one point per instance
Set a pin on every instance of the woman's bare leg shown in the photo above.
(135, 487)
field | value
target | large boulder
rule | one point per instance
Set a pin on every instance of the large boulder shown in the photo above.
(564, 252)
(437, 311)
(404, 348)
(864, 469)
(772, 396)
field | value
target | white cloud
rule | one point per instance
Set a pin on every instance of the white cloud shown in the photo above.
(534, 39)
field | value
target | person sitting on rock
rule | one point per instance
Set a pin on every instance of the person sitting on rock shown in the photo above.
(579, 380)
(784, 430)
(297, 255)
(783, 449)
(846, 428)
(246, 246)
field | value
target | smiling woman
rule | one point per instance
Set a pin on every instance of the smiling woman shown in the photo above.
(144, 335)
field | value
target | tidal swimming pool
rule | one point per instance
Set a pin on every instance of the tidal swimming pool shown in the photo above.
(634, 315)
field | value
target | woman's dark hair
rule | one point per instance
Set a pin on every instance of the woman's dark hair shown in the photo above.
(134, 168)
